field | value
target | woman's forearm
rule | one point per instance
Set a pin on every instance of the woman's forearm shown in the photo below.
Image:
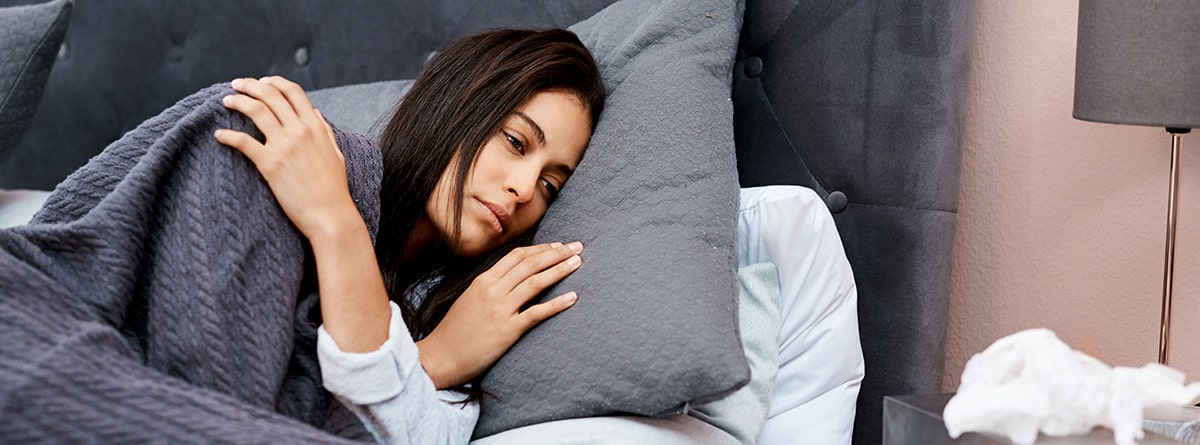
(354, 303)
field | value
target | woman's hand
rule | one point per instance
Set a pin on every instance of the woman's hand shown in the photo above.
(300, 160)
(306, 171)
(487, 319)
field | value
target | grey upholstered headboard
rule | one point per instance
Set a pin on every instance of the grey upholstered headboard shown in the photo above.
(863, 101)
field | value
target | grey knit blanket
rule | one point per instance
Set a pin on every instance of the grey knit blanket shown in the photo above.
(161, 295)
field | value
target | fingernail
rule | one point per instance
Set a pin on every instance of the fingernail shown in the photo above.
(574, 261)
(555, 244)
(576, 246)
(570, 297)
(217, 134)
(227, 100)
(236, 83)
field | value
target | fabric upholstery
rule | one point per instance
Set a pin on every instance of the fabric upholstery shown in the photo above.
(147, 54)
(29, 39)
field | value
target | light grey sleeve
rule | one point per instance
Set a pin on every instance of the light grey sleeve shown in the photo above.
(390, 392)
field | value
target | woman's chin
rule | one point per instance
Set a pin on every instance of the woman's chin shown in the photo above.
(472, 249)
(476, 241)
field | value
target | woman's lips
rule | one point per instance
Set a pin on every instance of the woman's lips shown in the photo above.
(497, 216)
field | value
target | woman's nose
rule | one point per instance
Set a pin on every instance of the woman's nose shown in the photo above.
(522, 185)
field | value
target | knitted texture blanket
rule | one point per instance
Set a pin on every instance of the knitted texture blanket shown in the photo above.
(161, 295)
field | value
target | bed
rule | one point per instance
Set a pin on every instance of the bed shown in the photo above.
(861, 102)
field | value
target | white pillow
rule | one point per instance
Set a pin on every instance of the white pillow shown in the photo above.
(820, 357)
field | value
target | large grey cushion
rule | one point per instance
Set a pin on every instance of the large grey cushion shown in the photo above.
(29, 40)
(655, 203)
(735, 419)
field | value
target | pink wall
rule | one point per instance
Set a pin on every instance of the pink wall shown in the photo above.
(1062, 222)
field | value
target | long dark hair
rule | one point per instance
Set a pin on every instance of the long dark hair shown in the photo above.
(457, 103)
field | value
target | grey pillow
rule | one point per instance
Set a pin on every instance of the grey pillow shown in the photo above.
(738, 416)
(361, 108)
(654, 202)
(29, 40)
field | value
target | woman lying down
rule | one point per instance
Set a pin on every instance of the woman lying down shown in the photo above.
(161, 294)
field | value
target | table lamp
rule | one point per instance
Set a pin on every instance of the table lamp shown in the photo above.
(1138, 62)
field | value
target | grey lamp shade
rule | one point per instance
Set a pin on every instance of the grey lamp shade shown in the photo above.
(1138, 62)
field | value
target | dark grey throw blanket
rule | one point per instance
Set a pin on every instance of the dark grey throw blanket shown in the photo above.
(162, 295)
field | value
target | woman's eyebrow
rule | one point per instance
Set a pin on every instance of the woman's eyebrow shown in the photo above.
(537, 129)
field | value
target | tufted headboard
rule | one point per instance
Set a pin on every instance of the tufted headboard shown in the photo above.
(862, 101)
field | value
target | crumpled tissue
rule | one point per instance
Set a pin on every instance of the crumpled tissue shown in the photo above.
(1031, 381)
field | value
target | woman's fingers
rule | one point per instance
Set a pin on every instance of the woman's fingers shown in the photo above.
(242, 142)
(257, 111)
(486, 320)
(534, 264)
(299, 158)
(540, 312)
(536, 283)
(281, 110)
(270, 95)
(515, 257)
(294, 95)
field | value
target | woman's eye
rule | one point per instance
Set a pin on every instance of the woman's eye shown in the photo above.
(551, 189)
(515, 143)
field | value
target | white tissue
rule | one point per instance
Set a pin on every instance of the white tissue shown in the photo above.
(1031, 381)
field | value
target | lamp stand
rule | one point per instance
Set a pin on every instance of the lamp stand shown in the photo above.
(1164, 335)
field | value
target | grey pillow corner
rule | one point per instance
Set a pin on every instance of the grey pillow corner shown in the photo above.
(30, 37)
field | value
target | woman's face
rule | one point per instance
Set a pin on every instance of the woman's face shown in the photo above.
(516, 175)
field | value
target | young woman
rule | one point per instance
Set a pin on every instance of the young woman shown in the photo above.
(477, 150)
